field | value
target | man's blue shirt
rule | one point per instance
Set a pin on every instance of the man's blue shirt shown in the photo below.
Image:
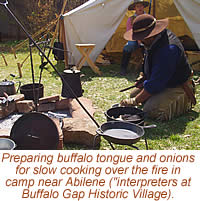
(164, 64)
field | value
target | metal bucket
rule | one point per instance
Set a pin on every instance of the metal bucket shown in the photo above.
(7, 144)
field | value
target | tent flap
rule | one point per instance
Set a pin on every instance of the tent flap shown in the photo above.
(100, 21)
(93, 22)
(190, 12)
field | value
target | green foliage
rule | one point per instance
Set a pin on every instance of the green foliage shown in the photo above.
(43, 12)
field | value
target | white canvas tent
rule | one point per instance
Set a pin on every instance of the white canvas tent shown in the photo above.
(190, 11)
(93, 22)
(97, 20)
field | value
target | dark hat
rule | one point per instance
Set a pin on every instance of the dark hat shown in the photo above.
(145, 26)
(132, 6)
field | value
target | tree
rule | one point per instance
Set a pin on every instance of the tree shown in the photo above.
(43, 12)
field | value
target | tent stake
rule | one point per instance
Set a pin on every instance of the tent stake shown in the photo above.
(19, 69)
(4, 58)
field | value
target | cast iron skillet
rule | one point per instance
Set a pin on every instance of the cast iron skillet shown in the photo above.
(121, 132)
(138, 115)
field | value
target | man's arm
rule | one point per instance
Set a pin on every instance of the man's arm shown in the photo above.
(164, 64)
(140, 98)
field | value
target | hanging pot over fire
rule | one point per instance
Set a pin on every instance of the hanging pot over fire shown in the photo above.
(28, 91)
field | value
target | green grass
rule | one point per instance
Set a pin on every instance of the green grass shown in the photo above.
(181, 133)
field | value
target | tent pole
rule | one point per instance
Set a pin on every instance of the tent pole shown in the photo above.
(154, 8)
(63, 40)
(150, 3)
(57, 27)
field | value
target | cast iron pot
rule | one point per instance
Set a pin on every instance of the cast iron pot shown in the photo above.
(72, 77)
(113, 113)
(8, 87)
(121, 132)
(27, 90)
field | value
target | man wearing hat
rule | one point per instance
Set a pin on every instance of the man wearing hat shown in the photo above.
(138, 6)
(165, 89)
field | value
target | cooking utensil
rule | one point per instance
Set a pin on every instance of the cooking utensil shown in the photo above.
(123, 133)
(122, 90)
(116, 105)
(28, 91)
(120, 132)
(72, 77)
(137, 114)
(7, 144)
(8, 87)
(35, 131)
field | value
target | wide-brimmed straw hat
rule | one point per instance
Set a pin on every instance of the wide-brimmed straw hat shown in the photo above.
(145, 26)
(132, 6)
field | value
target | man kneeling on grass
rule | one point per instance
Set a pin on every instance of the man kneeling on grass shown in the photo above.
(165, 88)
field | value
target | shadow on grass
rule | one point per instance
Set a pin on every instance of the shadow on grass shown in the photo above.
(107, 71)
(60, 67)
(76, 147)
(166, 129)
(112, 70)
(80, 147)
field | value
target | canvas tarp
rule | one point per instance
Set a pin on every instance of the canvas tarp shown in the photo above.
(93, 22)
(190, 11)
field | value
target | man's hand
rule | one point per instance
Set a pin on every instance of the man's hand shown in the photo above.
(139, 81)
(128, 102)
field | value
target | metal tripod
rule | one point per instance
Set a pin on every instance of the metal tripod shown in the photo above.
(5, 4)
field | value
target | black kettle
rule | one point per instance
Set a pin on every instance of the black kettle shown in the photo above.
(72, 77)
(8, 87)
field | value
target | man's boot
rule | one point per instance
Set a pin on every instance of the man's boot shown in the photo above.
(124, 62)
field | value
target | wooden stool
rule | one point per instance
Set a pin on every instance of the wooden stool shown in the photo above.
(85, 50)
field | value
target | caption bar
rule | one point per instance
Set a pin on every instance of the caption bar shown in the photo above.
(99, 175)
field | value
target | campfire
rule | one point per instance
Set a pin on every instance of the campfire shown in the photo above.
(71, 121)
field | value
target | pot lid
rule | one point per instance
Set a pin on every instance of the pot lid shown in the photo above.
(6, 83)
(71, 71)
(35, 131)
